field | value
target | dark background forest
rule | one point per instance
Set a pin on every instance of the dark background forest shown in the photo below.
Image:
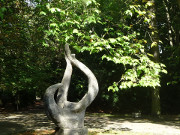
(132, 47)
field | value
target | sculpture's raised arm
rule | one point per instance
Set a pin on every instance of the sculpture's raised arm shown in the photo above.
(92, 81)
(63, 92)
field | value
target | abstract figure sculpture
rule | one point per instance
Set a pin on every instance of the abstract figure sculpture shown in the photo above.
(69, 116)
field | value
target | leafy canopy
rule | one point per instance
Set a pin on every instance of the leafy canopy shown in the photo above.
(117, 33)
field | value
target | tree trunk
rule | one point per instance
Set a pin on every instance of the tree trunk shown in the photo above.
(155, 105)
(170, 28)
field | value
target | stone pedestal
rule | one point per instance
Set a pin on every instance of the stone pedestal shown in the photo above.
(78, 131)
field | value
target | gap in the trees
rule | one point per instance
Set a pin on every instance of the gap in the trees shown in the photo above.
(78, 86)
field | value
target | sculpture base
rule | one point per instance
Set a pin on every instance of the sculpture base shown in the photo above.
(78, 131)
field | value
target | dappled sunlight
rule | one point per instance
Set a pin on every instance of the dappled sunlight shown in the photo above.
(128, 123)
(29, 121)
(102, 123)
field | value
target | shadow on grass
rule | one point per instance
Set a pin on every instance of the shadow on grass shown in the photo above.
(42, 132)
(10, 128)
(102, 121)
(22, 122)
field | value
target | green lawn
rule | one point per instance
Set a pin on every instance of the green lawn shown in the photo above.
(111, 132)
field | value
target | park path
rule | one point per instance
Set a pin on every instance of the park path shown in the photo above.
(11, 123)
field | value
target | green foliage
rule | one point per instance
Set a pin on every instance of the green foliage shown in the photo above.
(118, 34)
(67, 22)
(2, 10)
(24, 67)
(123, 44)
(81, 24)
(170, 45)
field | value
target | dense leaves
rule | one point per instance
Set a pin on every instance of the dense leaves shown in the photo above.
(128, 45)
(78, 22)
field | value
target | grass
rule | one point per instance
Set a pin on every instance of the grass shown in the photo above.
(95, 122)
(118, 133)
(41, 132)
(115, 132)
(94, 132)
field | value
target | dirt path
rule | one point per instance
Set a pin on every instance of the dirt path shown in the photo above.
(170, 126)
(11, 123)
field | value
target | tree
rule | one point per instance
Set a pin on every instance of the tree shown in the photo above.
(119, 35)
(15, 46)
(80, 26)
(156, 108)
(83, 26)
(22, 59)
(167, 17)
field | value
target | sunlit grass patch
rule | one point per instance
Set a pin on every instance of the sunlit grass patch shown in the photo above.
(118, 133)
(94, 132)
(114, 132)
